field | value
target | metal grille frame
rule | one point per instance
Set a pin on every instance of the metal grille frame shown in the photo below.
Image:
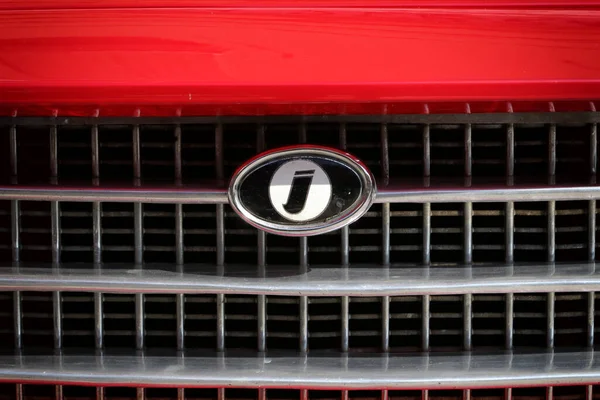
(427, 205)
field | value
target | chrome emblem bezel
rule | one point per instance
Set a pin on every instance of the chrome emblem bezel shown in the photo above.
(316, 154)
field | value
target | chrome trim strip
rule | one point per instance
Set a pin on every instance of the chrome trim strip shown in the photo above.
(406, 371)
(172, 194)
(216, 195)
(486, 194)
(290, 281)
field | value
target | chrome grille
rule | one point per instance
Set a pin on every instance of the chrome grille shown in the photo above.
(55, 236)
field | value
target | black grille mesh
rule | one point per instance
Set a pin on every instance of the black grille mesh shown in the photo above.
(283, 321)
(242, 141)
(447, 244)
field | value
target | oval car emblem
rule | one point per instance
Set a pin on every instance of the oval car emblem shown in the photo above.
(302, 190)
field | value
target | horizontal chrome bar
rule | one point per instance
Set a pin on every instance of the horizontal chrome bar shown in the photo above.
(218, 195)
(391, 194)
(406, 371)
(143, 194)
(582, 117)
(291, 281)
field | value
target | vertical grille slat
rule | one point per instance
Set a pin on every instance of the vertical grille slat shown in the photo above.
(551, 237)
(220, 233)
(509, 235)
(426, 301)
(304, 301)
(179, 245)
(385, 230)
(468, 246)
(56, 245)
(303, 248)
(261, 261)
(345, 259)
(97, 251)
(138, 229)
(16, 239)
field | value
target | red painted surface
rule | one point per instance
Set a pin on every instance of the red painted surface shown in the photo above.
(88, 4)
(278, 60)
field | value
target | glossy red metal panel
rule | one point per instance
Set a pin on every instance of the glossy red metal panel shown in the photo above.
(87, 4)
(262, 59)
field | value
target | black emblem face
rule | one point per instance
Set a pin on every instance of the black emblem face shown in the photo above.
(301, 190)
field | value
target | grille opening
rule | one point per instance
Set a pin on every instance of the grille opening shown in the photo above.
(35, 142)
(117, 233)
(283, 322)
(405, 394)
(489, 150)
(447, 394)
(531, 231)
(530, 320)
(447, 237)
(365, 238)
(197, 153)
(365, 323)
(121, 393)
(201, 394)
(242, 244)
(78, 320)
(242, 394)
(116, 151)
(241, 324)
(78, 392)
(327, 248)
(573, 144)
(405, 144)
(406, 230)
(446, 324)
(76, 232)
(325, 323)
(159, 233)
(282, 250)
(5, 150)
(363, 142)
(200, 324)
(406, 322)
(199, 233)
(489, 321)
(38, 331)
(570, 315)
(447, 150)
(161, 393)
(119, 321)
(160, 321)
(6, 318)
(531, 150)
(489, 231)
(571, 230)
(35, 231)
(74, 155)
(157, 152)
